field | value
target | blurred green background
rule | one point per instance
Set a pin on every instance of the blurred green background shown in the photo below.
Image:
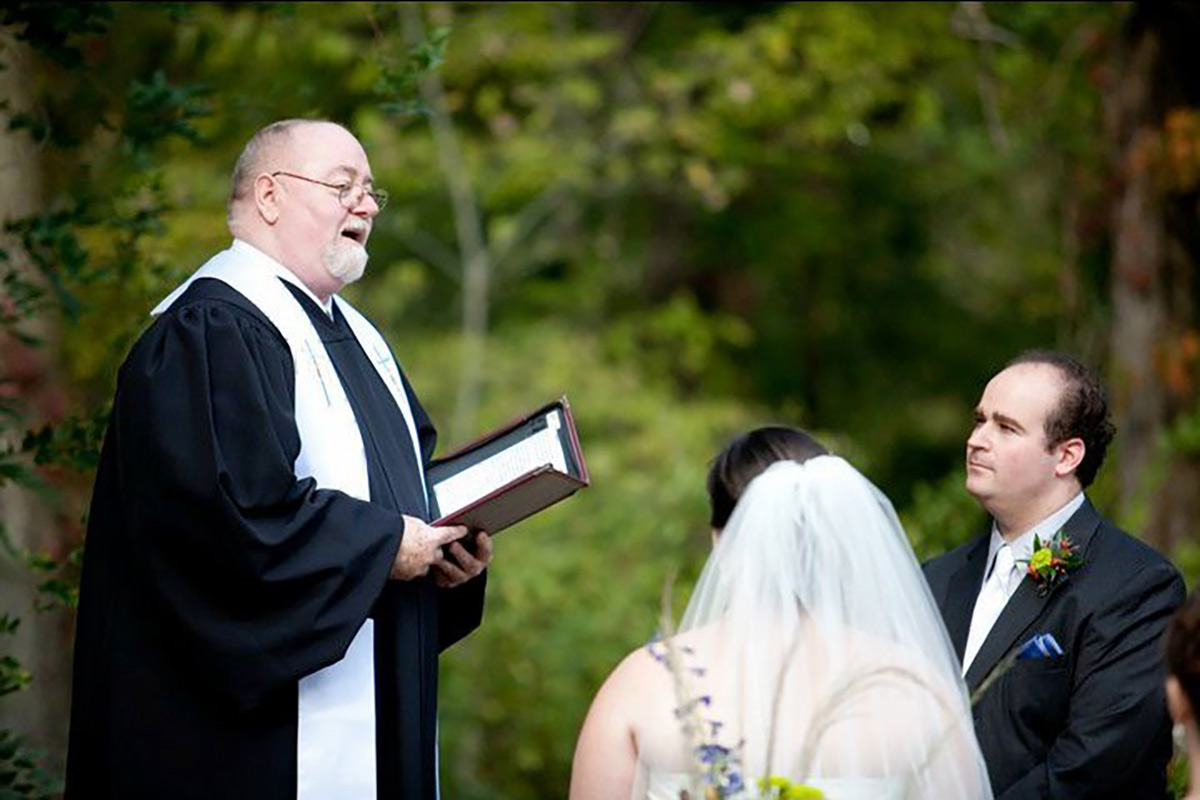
(690, 218)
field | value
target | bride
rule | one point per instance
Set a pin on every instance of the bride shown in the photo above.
(811, 652)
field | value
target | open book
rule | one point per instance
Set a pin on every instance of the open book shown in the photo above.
(511, 473)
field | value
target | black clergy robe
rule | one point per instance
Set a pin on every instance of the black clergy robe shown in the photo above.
(214, 580)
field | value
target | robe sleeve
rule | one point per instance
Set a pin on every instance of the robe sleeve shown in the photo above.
(265, 578)
(460, 610)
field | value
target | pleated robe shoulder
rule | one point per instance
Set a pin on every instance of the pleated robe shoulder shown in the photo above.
(214, 580)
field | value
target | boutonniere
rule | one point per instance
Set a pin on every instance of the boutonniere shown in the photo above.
(1051, 561)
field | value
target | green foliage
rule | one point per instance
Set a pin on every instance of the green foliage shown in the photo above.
(73, 442)
(1183, 436)
(157, 110)
(21, 774)
(14, 469)
(13, 677)
(59, 579)
(941, 516)
(1177, 774)
(50, 242)
(400, 81)
(769, 173)
(53, 29)
(91, 233)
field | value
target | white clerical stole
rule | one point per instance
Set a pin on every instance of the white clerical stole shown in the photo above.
(336, 711)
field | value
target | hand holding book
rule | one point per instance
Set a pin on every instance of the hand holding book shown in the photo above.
(463, 560)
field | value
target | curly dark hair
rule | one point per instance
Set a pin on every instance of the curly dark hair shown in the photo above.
(746, 457)
(1183, 648)
(1082, 410)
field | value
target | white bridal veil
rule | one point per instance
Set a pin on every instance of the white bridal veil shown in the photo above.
(813, 650)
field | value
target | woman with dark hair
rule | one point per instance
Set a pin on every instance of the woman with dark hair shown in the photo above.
(747, 457)
(811, 651)
(1183, 684)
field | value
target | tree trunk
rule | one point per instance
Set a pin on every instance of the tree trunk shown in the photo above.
(472, 244)
(42, 645)
(1156, 244)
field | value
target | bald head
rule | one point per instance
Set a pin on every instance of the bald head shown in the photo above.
(303, 194)
(266, 150)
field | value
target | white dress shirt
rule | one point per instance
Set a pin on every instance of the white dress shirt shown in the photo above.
(999, 585)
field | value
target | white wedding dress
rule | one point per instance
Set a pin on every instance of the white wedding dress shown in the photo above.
(812, 650)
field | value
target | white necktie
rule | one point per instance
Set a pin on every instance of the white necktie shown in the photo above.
(992, 599)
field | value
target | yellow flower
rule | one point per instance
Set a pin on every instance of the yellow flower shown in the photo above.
(801, 792)
(1041, 559)
(784, 789)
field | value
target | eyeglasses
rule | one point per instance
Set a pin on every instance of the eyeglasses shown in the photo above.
(349, 194)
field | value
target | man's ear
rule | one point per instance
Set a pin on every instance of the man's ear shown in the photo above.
(266, 199)
(1070, 456)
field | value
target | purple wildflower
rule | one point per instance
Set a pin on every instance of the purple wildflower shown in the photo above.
(710, 753)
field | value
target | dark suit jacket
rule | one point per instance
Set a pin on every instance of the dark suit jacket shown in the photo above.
(1093, 722)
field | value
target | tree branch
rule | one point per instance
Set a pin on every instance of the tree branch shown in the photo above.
(468, 226)
(434, 251)
(971, 22)
(535, 212)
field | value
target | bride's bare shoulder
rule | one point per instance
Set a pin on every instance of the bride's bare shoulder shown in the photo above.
(655, 660)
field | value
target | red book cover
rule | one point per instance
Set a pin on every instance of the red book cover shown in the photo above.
(528, 490)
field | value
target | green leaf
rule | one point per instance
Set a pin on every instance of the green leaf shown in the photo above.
(13, 676)
(52, 28)
(40, 562)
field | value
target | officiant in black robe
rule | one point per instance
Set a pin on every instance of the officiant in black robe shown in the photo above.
(224, 578)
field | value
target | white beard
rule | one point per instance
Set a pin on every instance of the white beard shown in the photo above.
(344, 261)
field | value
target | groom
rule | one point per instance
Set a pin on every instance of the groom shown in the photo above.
(1092, 722)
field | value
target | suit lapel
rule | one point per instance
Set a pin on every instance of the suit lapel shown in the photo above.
(1023, 608)
(1026, 605)
(962, 592)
